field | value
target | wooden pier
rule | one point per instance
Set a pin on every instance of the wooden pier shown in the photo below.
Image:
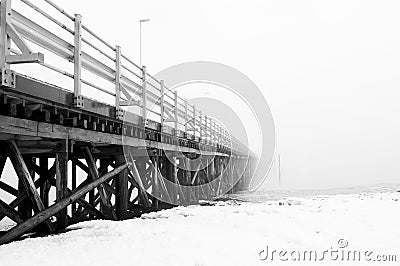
(77, 158)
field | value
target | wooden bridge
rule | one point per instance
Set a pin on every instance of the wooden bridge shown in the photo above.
(76, 158)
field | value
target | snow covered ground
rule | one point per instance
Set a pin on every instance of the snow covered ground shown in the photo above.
(235, 232)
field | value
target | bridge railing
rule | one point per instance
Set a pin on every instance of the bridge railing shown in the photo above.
(133, 86)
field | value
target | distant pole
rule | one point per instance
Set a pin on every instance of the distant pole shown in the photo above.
(140, 39)
(279, 168)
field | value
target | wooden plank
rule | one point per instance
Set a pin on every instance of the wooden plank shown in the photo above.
(44, 215)
(10, 212)
(94, 174)
(26, 179)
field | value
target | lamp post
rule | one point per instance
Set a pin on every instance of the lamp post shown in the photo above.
(140, 22)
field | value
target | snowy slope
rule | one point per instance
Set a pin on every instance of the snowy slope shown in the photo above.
(230, 233)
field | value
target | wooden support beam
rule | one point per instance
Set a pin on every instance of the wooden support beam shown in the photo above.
(137, 181)
(222, 174)
(90, 209)
(73, 177)
(26, 179)
(187, 178)
(44, 174)
(15, 203)
(155, 182)
(25, 206)
(171, 175)
(45, 188)
(194, 180)
(38, 183)
(166, 194)
(10, 212)
(121, 195)
(110, 190)
(137, 178)
(3, 160)
(94, 174)
(44, 215)
(61, 185)
(9, 189)
(92, 199)
(81, 165)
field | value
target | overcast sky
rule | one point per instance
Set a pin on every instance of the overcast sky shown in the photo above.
(330, 71)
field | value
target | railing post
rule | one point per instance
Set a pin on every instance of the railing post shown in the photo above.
(205, 129)
(176, 113)
(213, 132)
(186, 118)
(217, 134)
(162, 91)
(7, 76)
(194, 121)
(144, 95)
(5, 41)
(78, 98)
(119, 113)
(201, 126)
(222, 136)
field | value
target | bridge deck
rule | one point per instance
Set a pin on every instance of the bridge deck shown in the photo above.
(48, 100)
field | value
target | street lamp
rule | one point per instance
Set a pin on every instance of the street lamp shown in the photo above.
(140, 22)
